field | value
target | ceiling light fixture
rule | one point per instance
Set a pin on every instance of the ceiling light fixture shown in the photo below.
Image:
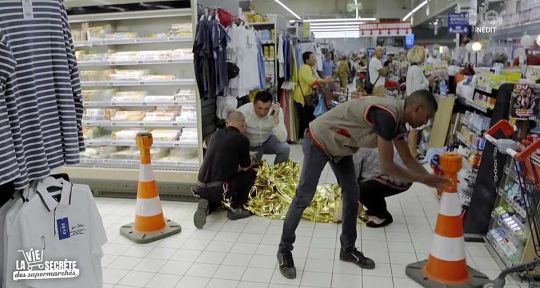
(288, 9)
(415, 9)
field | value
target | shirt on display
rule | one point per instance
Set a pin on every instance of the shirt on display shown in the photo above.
(374, 66)
(69, 228)
(42, 93)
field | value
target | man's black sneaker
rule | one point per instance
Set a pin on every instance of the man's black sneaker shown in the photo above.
(238, 213)
(286, 265)
(357, 258)
(199, 218)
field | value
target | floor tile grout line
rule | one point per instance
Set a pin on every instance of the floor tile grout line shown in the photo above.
(309, 249)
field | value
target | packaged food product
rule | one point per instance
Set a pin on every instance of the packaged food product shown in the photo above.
(124, 96)
(128, 116)
(165, 134)
(159, 98)
(128, 75)
(98, 32)
(96, 75)
(122, 154)
(127, 134)
(90, 153)
(94, 114)
(123, 56)
(98, 95)
(121, 35)
(181, 30)
(158, 77)
(154, 55)
(159, 116)
(93, 132)
(155, 153)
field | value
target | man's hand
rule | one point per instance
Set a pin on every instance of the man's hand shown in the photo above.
(436, 181)
(275, 110)
(328, 79)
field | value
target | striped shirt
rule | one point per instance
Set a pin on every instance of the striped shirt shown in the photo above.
(42, 94)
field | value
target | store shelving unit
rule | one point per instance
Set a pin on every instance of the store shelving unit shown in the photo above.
(176, 170)
(517, 247)
(271, 62)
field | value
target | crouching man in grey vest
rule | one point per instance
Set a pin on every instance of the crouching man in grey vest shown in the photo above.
(367, 122)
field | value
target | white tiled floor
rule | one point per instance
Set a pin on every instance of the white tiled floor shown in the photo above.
(241, 254)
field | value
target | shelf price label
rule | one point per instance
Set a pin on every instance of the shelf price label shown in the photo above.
(141, 123)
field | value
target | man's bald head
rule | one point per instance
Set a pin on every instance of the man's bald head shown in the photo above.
(237, 120)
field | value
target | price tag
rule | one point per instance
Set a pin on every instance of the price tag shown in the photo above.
(28, 10)
(141, 83)
(113, 62)
(144, 104)
(106, 161)
(114, 143)
(141, 124)
(114, 124)
(174, 124)
(169, 61)
(140, 62)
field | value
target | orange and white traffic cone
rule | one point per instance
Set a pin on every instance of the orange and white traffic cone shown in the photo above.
(150, 223)
(446, 265)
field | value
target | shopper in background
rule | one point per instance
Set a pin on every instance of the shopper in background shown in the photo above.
(225, 174)
(303, 92)
(328, 66)
(376, 185)
(434, 57)
(416, 80)
(377, 73)
(265, 127)
(333, 138)
(343, 71)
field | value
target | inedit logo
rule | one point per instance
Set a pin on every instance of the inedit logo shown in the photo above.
(485, 21)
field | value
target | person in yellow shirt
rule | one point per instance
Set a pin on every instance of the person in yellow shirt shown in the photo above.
(343, 72)
(303, 92)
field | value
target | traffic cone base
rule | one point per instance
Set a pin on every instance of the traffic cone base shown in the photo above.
(416, 272)
(171, 228)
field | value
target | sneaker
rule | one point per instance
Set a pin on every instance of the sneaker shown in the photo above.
(356, 257)
(238, 213)
(286, 265)
(384, 223)
(199, 218)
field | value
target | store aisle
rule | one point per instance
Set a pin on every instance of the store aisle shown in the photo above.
(242, 253)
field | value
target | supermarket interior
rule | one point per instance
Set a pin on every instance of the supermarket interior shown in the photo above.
(184, 174)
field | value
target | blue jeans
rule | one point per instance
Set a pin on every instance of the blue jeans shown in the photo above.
(274, 147)
(313, 165)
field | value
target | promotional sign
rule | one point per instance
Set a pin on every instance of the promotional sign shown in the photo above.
(458, 22)
(385, 29)
(409, 41)
(525, 100)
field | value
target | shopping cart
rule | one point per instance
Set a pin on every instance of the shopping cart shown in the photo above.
(33, 262)
(526, 164)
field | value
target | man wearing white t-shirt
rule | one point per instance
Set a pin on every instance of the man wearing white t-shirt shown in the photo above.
(377, 73)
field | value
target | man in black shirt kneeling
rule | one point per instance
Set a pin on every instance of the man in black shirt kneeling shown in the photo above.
(226, 173)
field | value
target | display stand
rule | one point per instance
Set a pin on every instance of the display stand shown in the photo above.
(476, 223)
(114, 176)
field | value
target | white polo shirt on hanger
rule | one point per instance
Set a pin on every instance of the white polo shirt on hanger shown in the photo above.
(42, 223)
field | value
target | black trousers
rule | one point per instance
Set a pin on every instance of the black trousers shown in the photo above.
(305, 116)
(235, 189)
(372, 194)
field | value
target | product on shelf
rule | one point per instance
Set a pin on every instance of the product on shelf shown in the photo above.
(158, 77)
(165, 134)
(96, 75)
(128, 116)
(159, 116)
(98, 95)
(123, 154)
(121, 35)
(508, 249)
(185, 95)
(127, 134)
(476, 122)
(525, 101)
(123, 56)
(128, 75)
(182, 54)
(128, 96)
(155, 152)
(86, 56)
(93, 132)
(97, 32)
(90, 153)
(95, 114)
(180, 155)
(181, 30)
(154, 55)
(187, 114)
(159, 98)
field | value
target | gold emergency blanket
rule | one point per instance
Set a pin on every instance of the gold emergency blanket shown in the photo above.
(275, 188)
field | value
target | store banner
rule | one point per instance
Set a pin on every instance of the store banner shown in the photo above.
(385, 29)
(458, 22)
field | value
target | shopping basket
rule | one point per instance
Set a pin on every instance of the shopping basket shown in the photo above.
(526, 164)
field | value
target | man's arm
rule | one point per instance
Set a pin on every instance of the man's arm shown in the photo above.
(388, 166)
(279, 128)
(405, 155)
(245, 158)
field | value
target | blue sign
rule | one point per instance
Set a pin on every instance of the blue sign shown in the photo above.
(409, 41)
(458, 22)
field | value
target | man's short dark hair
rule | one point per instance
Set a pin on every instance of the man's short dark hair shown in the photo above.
(306, 56)
(423, 98)
(263, 96)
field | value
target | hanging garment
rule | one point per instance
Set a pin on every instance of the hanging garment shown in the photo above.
(261, 64)
(200, 62)
(42, 95)
(219, 47)
(59, 227)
